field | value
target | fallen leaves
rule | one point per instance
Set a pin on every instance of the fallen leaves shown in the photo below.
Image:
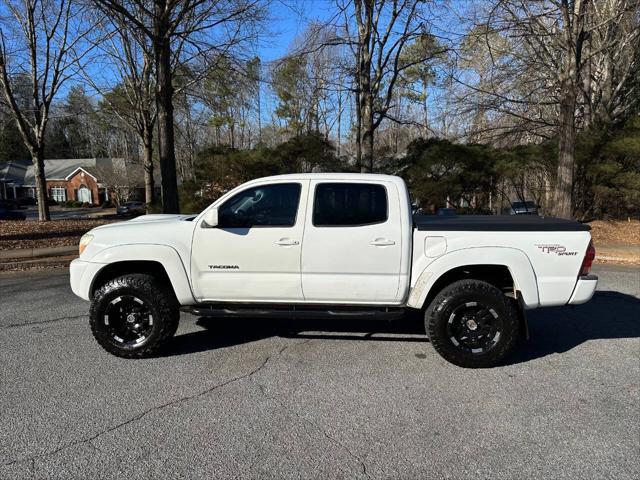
(615, 232)
(34, 234)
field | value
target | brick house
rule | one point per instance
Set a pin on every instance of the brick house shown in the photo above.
(90, 180)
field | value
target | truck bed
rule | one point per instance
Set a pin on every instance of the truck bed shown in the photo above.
(497, 223)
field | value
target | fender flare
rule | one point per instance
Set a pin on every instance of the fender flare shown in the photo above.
(515, 260)
(165, 255)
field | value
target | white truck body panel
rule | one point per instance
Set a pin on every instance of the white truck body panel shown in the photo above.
(366, 268)
(267, 259)
(544, 278)
(386, 263)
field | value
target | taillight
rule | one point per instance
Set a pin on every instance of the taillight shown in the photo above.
(589, 256)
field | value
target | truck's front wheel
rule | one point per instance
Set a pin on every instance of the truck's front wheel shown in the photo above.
(132, 316)
(472, 324)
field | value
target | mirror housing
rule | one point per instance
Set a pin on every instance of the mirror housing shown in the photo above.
(210, 219)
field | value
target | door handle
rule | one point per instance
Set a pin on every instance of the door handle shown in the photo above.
(287, 242)
(381, 242)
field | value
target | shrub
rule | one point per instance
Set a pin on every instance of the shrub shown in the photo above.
(155, 207)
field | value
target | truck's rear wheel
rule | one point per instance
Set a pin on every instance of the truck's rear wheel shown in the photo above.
(132, 316)
(472, 324)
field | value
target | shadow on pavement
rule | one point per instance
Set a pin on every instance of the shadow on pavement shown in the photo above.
(224, 332)
(608, 315)
(553, 330)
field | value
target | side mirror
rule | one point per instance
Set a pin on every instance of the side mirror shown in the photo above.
(210, 218)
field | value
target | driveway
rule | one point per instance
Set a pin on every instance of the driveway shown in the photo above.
(357, 399)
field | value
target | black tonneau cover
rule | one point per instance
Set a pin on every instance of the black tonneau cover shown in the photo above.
(497, 223)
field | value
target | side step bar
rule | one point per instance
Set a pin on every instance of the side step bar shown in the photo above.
(294, 311)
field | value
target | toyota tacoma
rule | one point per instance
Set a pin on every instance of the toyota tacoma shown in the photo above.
(331, 245)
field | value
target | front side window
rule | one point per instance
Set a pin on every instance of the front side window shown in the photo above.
(349, 204)
(263, 206)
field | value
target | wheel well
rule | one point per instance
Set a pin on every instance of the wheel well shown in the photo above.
(117, 269)
(497, 275)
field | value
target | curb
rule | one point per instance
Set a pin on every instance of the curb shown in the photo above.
(38, 252)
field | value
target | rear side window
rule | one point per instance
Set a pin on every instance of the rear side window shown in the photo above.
(264, 206)
(349, 204)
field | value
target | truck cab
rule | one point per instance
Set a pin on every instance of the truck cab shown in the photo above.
(307, 239)
(330, 244)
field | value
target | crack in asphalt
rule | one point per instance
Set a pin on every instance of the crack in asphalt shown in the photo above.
(140, 416)
(42, 322)
(249, 375)
(287, 408)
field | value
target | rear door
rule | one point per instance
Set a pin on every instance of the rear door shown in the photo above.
(352, 243)
(254, 252)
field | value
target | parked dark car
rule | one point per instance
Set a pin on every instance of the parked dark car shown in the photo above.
(8, 214)
(131, 208)
(522, 208)
(446, 212)
(9, 204)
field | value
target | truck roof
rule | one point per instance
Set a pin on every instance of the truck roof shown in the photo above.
(497, 223)
(374, 177)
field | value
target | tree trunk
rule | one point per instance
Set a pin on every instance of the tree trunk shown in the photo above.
(358, 130)
(367, 129)
(365, 96)
(563, 206)
(164, 102)
(425, 108)
(149, 182)
(41, 185)
(339, 142)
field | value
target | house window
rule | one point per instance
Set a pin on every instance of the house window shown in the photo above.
(59, 194)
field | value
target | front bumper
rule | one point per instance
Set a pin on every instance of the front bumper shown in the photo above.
(584, 289)
(81, 275)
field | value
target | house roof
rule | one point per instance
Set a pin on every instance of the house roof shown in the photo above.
(81, 169)
(12, 171)
(105, 170)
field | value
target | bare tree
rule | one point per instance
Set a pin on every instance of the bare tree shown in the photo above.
(41, 41)
(132, 99)
(120, 177)
(191, 29)
(551, 68)
(383, 29)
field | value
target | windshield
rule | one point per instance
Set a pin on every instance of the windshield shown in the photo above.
(529, 205)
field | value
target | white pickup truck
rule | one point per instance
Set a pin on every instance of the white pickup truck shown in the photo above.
(311, 245)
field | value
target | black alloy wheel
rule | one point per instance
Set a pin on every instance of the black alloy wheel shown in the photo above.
(474, 328)
(128, 321)
(472, 324)
(134, 315)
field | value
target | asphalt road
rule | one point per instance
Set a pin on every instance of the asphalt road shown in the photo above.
(270, 399)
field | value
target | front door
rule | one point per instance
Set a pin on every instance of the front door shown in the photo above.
(84, 195)
(254, 252)
(352, 243)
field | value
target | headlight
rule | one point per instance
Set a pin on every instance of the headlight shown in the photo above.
(84, 241)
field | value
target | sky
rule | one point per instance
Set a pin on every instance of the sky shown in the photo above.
(288, 19)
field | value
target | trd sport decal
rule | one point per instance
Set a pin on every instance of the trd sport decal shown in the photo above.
(224, 267)
(559, 250)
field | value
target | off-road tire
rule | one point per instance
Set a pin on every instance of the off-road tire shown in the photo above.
(158, 298)
(458, 294)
